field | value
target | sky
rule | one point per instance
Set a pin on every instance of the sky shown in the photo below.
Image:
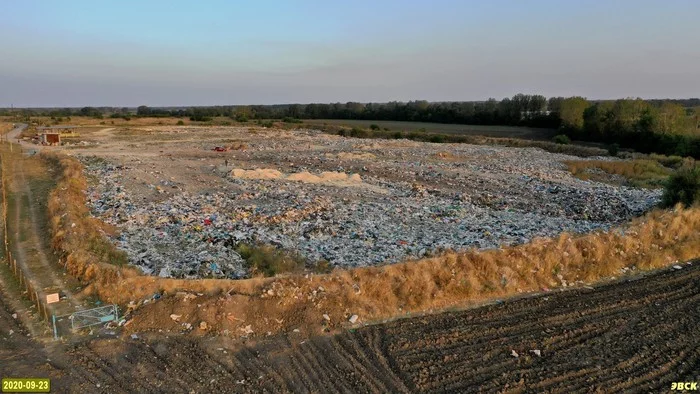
(179, 53)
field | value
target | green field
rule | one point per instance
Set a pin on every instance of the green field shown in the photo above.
(489, 131)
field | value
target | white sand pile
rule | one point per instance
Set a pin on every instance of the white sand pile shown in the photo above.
(326, 177)
(354, 156)
(256, 174)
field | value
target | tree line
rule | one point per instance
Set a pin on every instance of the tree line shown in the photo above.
(665, 127)
(662, 125)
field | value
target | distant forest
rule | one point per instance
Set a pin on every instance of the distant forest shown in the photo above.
(664, 126)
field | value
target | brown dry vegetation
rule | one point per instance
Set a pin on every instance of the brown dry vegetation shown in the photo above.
(114, 122)
(639, 173)
(5, 127)
(282, 303)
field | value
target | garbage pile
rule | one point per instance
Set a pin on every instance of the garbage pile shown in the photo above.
(416, 203)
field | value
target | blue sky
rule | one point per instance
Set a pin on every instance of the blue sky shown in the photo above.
(127, 53)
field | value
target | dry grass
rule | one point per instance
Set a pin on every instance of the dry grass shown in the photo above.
(121, 122)
(5, 127)
(571, 149)
(449, 280)
(80, 239)
(638, 173)
(267, 260)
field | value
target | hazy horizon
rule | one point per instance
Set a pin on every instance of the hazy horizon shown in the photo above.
(178, 53)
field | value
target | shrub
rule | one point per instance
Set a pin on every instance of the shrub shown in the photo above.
(397, 135)
(562, 139)
(199, 117)
(387, 129)
(268, 260)
(639, 173)
(437, 138)
(413, 136)
(674, 162)
(374, 126)
(322, 267)
(292, 120)
(613, 149)
(267, 124)
(358, 133)
(180, 123)
(683, 187)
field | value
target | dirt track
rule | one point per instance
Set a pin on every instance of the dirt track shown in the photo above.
(636, 335)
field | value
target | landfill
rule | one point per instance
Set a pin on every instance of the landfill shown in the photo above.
(407, 200)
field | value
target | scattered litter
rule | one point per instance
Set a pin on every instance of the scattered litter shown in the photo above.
(413, 199)
(537, 352)
(353, 319)
(678, 267)
(514, 354)
(175, 317)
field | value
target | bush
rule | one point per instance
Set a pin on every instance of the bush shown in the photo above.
(358, 133)
(562, 139)
(322, 267)
(374, 126)
(292, 120)
(200, 117)
(180, 123)
(267, 124)
(683, 187)
(268, 260)
(613, 149)
(413, 136)
(674, 162)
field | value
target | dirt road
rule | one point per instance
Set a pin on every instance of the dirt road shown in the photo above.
(29, 183)
(634, 335)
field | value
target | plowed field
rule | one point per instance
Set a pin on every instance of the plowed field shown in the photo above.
(637, 335)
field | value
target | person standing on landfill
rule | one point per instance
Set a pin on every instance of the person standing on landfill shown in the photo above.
(226, 162)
